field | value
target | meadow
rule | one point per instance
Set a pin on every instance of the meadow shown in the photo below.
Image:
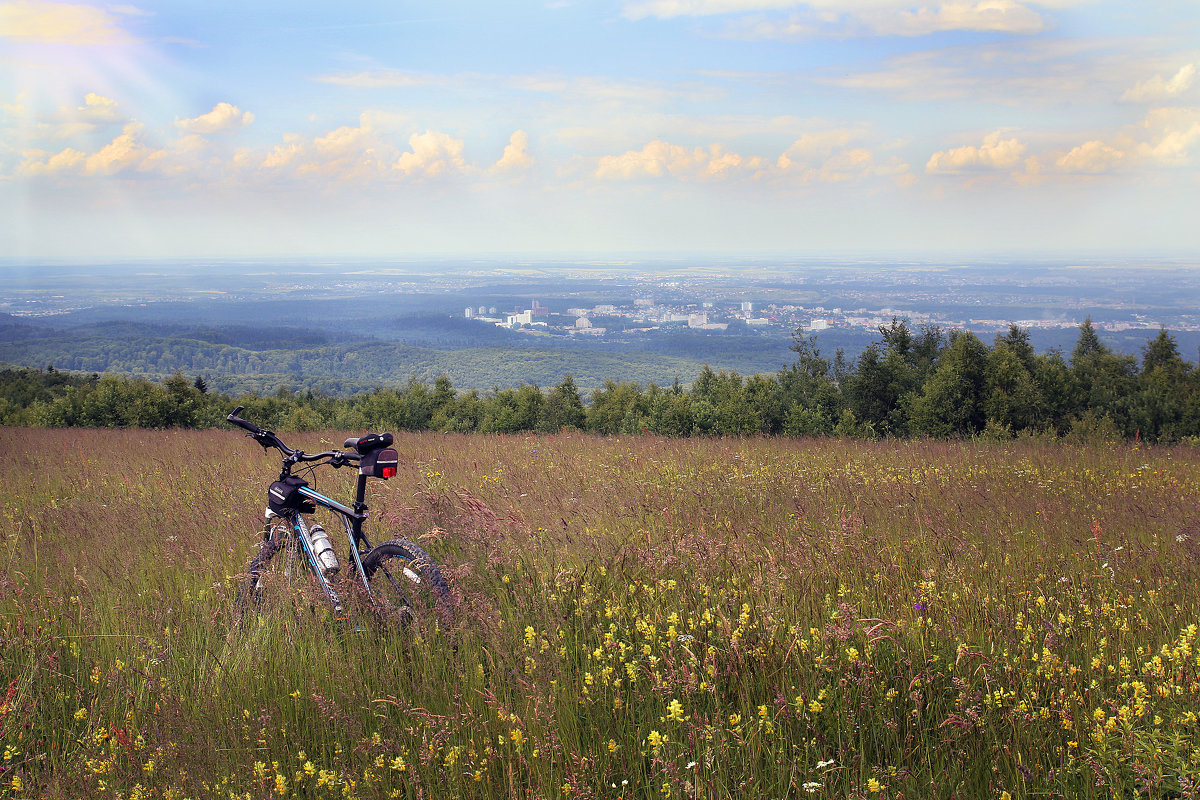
(636, 617)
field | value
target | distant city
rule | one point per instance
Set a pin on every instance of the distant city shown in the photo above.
(645, 315)
(342, 327)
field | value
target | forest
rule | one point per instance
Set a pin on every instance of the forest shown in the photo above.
(908, 383)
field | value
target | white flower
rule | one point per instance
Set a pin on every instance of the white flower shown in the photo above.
(811, 786)
(824, 764)
(692, 764)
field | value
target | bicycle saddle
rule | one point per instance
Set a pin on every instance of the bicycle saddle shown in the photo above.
(369, 443)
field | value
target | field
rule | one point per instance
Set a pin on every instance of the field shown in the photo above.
(636, 617)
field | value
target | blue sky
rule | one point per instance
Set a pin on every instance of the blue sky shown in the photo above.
(399, 129)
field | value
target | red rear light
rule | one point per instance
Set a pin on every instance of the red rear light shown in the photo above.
(389, 472)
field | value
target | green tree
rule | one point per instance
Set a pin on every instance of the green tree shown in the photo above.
(564, 407)
(1014, 400)
(951, 403)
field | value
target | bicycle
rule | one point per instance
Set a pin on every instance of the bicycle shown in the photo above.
(397, 578)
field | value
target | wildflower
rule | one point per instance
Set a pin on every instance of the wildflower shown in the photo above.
(516, 736)
(875, 786)
(398, 764)
(612, 745)
(81, 714)
(692, 764)
(824, 764)
(675, 711)
(811, 786)
(655, 740)
(815, 707)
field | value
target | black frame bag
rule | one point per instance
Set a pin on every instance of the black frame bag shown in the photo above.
(284, 496)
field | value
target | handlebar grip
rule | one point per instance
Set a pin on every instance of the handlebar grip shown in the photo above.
(241, 423)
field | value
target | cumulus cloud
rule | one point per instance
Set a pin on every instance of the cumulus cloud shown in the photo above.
(1171, 135)
(123, 153)
(833, 157)
(363, 154)
(1158, 88)
(1091, 157)
(38, 162)
(660, 159)
(59, 23)
(223, 117)
(97, 108)
(995, 153)
(516, 156)
(818, 157)
(433, 154)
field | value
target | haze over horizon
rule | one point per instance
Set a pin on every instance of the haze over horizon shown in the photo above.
(158, 130)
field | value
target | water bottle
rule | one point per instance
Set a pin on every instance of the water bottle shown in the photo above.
(323, 550)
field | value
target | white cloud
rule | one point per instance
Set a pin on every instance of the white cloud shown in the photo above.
(365, 153)
(1091, 157)
(223, 117)
(516, 156)
(660, 159)
(995, 153)
(839, 17)
(122, 153)
(59, 23)
(1040, 70)
(1158, 88)
(1172, 133)
(97, 108)
(820, 157)
(64, 162)
(997, 16)
(433, 154)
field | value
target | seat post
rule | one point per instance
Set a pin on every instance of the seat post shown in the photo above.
(360, 494)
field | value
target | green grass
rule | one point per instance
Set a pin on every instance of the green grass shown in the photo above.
(637, 617)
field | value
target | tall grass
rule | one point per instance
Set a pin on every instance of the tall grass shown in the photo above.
(637, 617)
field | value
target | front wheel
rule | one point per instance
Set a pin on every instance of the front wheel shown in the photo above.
(407, 586)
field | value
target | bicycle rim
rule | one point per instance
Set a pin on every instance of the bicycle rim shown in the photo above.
(407, 586)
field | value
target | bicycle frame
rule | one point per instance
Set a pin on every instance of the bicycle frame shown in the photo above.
(352, 516)
(352, 520)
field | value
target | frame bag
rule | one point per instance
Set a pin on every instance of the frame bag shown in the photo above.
(284, 496)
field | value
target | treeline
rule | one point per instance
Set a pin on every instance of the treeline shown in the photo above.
(908, 383)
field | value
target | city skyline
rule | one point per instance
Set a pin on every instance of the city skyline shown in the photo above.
(389, 130)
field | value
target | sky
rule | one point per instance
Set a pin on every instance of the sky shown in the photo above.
(395, 130)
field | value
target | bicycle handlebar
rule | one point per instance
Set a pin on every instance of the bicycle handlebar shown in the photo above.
(269, 439)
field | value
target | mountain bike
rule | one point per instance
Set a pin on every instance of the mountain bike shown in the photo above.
(396, 578)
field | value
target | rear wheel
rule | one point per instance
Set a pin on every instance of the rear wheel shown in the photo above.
(407, 587)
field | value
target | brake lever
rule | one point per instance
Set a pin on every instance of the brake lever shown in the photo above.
(258, 437)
